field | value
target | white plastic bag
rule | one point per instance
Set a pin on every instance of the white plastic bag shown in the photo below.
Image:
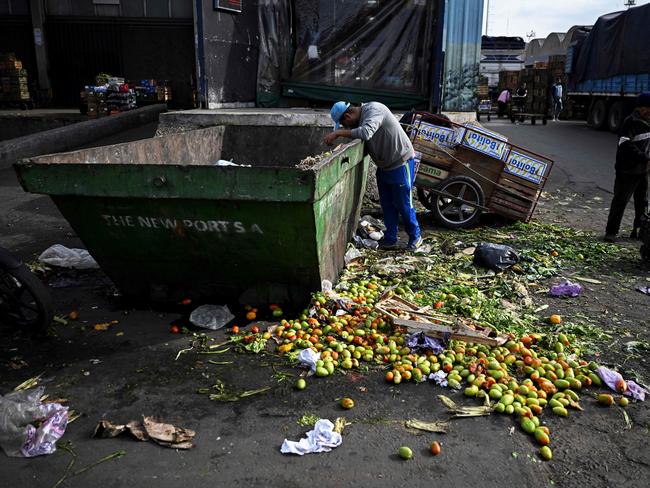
(64, 257)
(18, 411)
(211, 317)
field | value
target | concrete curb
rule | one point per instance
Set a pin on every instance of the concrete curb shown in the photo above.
(71, 136)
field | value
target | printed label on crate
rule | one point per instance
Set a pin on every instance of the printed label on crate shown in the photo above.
(485, 142)
(442, 136)
(525, 167)
(432, 172)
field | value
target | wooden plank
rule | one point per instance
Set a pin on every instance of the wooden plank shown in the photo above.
(519, 184)
(500, 199)
(508, 212)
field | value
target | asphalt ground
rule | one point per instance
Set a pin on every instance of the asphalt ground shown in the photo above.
(130, 370)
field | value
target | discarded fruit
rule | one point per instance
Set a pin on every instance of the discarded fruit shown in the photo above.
(546, 453)
(542, 437)
(301, 384)
(623, 402)
(255, 329)
(235, 329)
(405, 452)
(605, 399)
(555, 319)
(621, 386)
(74, 315)
(186, 301)
(435, 448)
(347, 403)
(251, 315)
(175, 329)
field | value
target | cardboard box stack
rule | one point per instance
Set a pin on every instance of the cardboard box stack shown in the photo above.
(13, 79)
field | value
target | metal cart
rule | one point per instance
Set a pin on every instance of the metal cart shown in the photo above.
(465, 170)
(519, 113)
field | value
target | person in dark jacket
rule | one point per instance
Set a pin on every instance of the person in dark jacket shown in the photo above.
(632, 164)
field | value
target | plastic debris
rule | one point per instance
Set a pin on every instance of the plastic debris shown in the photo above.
(610, 378)
(419, 342)
(352, 254)
(643, 289)
(308, 358)
(566, 289)
(495, 256)
(64, 257)
(439, 377)
(20, 412)
(365, 243)
(211, 317)
(322, 439)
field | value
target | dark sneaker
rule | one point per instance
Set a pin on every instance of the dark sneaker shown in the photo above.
(387, 245)
(414, 244)
(609, 238)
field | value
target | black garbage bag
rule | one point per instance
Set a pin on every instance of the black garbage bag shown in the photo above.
(495, 256)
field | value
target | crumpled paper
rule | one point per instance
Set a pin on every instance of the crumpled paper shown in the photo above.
(610, 378)
(149, 429)
(308, 357)
(566, 289)
(419, 342)
(321, 439)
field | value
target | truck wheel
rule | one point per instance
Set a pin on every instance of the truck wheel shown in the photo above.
(616, 116)
(458, 201)
(598, 115)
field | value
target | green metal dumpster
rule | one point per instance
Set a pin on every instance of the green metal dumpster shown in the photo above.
(166, 223)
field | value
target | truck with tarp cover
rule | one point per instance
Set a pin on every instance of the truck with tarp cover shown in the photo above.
(610, 67)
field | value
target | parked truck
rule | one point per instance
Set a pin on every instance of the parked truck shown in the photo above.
(608, 68)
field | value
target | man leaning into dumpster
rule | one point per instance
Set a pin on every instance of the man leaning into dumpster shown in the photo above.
(391, 150)
(632, 166)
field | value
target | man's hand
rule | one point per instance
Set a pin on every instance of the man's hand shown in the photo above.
(330, 138)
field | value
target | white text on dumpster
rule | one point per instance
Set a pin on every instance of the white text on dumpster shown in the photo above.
(220, 226)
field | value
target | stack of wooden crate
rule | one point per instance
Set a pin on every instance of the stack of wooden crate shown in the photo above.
(13, 79)
(508, 80)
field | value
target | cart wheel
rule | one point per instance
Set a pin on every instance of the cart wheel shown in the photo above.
(455, 214)
(512, 119)
(533, 121)
(521, 119)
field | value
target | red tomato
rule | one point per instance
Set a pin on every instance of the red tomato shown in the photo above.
(235, 329)
(255, 329)
(175, 329)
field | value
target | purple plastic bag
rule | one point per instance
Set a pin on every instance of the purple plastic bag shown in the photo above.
(566, 289)
(419, 341)
(18, 412)
(610, 378)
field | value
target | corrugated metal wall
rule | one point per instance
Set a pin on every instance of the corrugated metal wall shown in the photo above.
(462, 37)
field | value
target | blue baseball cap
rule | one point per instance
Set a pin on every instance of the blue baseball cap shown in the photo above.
(338, 109)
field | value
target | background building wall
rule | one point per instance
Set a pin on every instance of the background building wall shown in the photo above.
(229, 48)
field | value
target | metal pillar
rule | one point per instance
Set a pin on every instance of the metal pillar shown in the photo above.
(37, 11)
